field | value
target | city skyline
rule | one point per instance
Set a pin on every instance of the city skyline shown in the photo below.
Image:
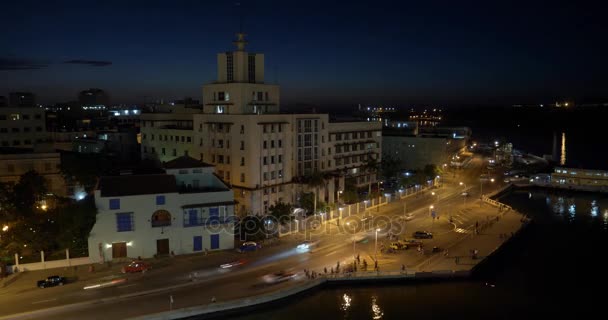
(396, 54)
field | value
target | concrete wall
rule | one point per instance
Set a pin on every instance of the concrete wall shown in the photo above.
(49, 264)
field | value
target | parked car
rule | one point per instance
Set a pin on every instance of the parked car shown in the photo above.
(278, 277)
(136, 266)
(51, 282)
(398, 245)
(249, 246)
(422, 235)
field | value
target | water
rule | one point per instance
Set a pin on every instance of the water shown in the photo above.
(554, 268)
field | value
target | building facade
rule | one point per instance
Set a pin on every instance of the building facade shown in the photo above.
(15, 162)
(186, 210)
(22, 127)
(579, 177)
(262, 154)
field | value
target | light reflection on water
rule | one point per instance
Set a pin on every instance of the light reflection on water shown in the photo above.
(377, 312)
(578, 206)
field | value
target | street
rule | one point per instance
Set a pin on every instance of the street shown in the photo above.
(335, 246)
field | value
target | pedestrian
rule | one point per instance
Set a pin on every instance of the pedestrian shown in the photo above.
(376, 264)
(445, 253)
(206, 251)
(332, 270)
(213, 299)
(325, 270)
(402, 268)
(358, 260)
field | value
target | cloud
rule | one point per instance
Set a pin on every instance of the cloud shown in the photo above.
(21, 64)
(93, 63)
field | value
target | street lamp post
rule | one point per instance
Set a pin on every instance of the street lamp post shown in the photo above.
(431, 207)
(376, 246)
(354, 251)
(464, 197)
(339, 192)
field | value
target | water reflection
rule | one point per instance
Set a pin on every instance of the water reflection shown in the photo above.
(562, 159)
(346, 299)
(594, 208)
(377, 312)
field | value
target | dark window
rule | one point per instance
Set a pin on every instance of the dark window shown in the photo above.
(114, 204)
(160, 200)
(124, 222)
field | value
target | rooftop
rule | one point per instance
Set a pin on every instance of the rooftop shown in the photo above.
(130, 185)
(184, 162)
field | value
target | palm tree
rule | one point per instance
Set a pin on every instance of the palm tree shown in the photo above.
(316, 180)
(370, 167)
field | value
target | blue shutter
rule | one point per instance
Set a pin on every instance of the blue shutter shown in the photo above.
(114, 204)
(215, 241)
(124, 222)
(198, 243)
(214, 215)
(192, 218)
(160, 200)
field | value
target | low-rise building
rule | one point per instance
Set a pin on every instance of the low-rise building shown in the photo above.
(579, 177)
(185, 210)
(15, 162)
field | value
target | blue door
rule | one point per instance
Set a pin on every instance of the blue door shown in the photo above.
(193, 218)
(214, 215)
(215, 241)
(198, 243)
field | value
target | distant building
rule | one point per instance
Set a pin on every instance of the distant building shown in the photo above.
(120, 143)
(22, 127)
(186, 210)
(415, 152)
(14, 162)
(584, 178)
(22, 99)
(3, 102)
(95, 99)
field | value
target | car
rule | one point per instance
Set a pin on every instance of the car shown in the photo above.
(398, 245)
(412, 243)
(422, 235)
(249, 246)
(233, 264)
(51, 282)
(407, 217)
(136, 266)
(465, 194)
(278, 277)
(307, 244)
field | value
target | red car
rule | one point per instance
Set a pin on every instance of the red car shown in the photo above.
(136, 266)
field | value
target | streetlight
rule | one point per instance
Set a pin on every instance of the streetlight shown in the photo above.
(481, 185)
(339, 192)
(376, 246)
(431, 207)
(464, 197)
(354, 252)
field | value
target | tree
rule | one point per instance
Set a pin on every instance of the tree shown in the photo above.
(431, 171)
(75, 221)
(30, 188)
(307, 200)
(316, 180)
(251, 228)
(280, 211)
(390, 167)
(371, 166)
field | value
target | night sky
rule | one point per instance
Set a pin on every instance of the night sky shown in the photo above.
(400, 53)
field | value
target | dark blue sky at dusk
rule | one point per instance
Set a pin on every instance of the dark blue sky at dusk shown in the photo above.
(321, 53)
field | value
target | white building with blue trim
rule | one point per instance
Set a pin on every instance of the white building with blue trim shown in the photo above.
(185, 210)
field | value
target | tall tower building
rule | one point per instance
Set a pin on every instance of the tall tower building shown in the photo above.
(240, 87)
(265, 156)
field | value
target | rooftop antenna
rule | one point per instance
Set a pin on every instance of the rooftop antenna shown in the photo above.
(240, 36)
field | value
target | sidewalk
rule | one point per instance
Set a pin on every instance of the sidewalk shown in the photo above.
(492, 234)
